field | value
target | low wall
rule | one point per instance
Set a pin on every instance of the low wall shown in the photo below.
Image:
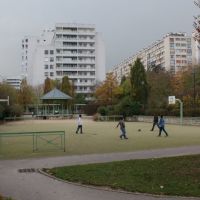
(169, 120)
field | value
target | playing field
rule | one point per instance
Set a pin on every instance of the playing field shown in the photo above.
(98, 137)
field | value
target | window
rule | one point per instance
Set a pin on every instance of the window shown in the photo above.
(51, 66)
(51, 59)
(183, 45)
(46, 67)
(46, 52)
(46, 74)
(46, 59)
(51, 74)
(51, 52)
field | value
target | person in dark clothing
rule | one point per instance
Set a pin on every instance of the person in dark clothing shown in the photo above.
(162, 126)
(155, 122)
(122, 128)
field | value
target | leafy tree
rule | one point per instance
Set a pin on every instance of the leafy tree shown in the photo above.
(139, 86)
(38, 92)
(2, 109)
(56, 84)
(186, 86)
(155, 68)
(103, 110)
(79, 99)
(126, 87)
(48, 85)
(26, 94)
(159, 89)
(14, 109)
(108, 92)
(66, 86)
(7, 90)
(123, 80)
(128, 107)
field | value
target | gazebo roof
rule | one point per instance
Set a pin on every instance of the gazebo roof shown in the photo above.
(55, 94)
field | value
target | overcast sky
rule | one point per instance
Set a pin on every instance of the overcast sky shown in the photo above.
(126, 25)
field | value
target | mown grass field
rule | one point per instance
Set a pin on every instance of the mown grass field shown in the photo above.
(177, 176)
(98, 137)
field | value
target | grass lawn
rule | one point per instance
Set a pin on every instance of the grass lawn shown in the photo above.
(98, 137)
(179, 176)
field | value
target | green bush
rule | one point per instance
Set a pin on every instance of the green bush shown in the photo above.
(16, 110)
(103, 110)
(128, 107)
(1, 112)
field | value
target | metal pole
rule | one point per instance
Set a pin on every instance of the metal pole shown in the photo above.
(33, 142)
(64, 142)
(194, 90)
(181, 111)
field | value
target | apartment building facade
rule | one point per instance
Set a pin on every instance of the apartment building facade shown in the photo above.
(173, 53)
(73, 50)
(14, 81)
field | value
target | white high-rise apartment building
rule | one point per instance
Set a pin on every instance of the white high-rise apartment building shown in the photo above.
(14, 81)
(174, 52)
(73, 50)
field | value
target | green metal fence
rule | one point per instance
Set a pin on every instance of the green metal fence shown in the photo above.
(48, 137)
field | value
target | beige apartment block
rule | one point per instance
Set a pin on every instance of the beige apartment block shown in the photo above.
(173, 53)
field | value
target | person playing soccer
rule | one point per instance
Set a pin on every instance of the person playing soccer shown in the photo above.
(80, 125)
(155, 122)
(121, 124)
(161, 125)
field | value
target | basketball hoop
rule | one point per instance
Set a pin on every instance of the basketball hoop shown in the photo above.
(172, 100)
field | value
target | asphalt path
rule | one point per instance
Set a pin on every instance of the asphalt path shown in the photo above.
(36, 186)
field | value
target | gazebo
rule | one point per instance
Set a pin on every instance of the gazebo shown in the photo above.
(55, 103)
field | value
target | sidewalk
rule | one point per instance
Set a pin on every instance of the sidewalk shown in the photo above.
(34, 186)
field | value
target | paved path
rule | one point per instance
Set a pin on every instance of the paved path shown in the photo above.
(35, 186)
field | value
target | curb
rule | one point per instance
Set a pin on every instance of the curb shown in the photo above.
(112, 190)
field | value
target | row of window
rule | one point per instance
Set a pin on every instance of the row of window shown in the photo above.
(172, 45)
(178, 56)
(74, 29)
(180, 39)
(71, 37)
(48, 66)
(46, 52)
(47, 74)
(69, 73)
(51, 59)
(188, 51)
(60, 51)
